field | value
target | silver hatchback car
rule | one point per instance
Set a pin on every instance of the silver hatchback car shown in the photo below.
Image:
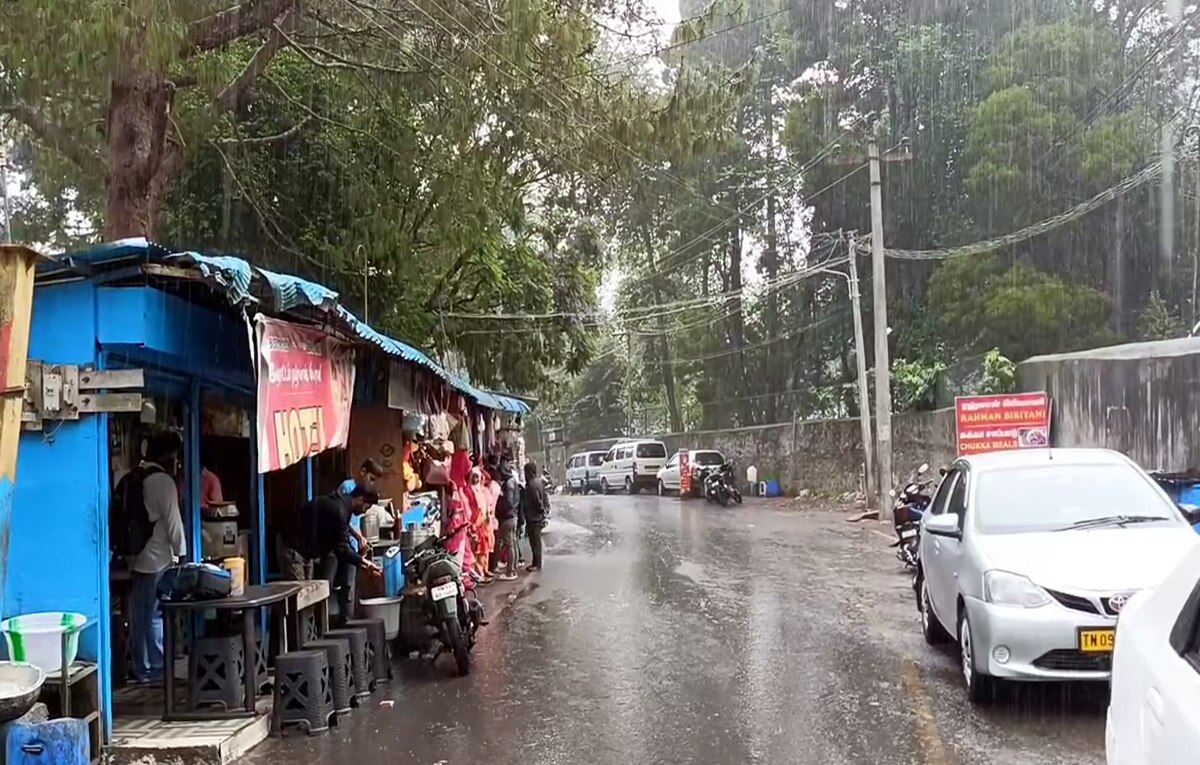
(1028, 556)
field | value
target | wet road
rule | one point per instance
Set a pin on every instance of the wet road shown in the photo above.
(663, 632)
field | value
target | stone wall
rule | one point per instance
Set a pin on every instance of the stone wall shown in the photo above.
(825, 456)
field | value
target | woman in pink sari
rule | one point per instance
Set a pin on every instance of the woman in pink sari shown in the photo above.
(458, 517)
(492, 488)
(482, 535)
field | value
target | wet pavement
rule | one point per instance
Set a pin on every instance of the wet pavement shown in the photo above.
(663, 632)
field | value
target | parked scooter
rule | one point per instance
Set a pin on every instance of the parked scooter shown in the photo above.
(436, 606)
(910, 503)
(720, 485)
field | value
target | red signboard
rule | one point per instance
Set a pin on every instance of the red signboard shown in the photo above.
(1000, 423)
(305, 386)
(685, 474)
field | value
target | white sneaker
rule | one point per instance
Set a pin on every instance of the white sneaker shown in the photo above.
(507, 577)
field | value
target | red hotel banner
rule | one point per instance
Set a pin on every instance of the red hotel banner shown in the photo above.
(1000, 423)
(305, 387)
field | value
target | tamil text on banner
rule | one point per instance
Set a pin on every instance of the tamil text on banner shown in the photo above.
(305, 388)
(1000, 423)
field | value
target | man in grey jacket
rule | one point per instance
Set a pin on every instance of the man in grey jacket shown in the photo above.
(508, 509)
(165, 546)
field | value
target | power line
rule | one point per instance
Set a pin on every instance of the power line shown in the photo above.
(675, 46)
(657, 309)
(599, 133)
(664, 264)
(725, 353)
(1143, 176)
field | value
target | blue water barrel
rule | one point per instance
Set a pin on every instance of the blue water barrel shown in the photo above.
(54, 742)
(393, 572)
(773, 489)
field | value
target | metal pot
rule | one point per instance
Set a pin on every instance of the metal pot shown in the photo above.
(20, 686)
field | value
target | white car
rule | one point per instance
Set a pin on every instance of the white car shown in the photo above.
(1156, 674)
(632, 465)
(669, 478)
(1027, 557)
(583, 472)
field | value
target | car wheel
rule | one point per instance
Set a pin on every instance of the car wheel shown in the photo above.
(629, 487)
(979, 685)
(931, 628)
(662, 491)
(603, 485)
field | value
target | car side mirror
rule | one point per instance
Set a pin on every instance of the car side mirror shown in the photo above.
(945, 525)
(1191, 512)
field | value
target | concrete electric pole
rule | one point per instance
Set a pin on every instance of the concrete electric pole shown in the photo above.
(860, 353)
(883, 390)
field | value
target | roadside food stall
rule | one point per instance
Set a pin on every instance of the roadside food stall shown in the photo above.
(258, 372)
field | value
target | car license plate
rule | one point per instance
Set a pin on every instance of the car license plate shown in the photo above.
(1097, 641)
(443, 591)
(908, 533)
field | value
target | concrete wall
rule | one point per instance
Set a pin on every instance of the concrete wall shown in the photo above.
(824, 456)
(1138, 399)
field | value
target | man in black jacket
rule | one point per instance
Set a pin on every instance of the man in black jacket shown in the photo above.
(535, 509)
(508, 512)
(320, 531)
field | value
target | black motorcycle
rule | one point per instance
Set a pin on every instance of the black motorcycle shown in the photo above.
(720, 485)
(435, 605)
(910, 503)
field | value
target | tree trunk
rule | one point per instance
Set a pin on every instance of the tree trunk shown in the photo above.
(664, 348)
(140, 159)
(770, 268)
(737, 327)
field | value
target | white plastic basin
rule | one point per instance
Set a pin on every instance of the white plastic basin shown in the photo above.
(37, 638)
(387, 609)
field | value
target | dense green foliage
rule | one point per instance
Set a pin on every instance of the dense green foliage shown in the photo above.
(998, 116)
(468, 173)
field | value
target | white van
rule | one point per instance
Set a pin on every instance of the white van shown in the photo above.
(583, 472)
(632, 465)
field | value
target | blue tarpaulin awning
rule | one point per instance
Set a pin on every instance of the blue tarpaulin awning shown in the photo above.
(238, 280)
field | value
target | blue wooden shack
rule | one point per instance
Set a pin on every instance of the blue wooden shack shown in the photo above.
(180, 318)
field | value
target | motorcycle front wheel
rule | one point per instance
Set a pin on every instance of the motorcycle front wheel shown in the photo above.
(723, 496)
(457, 643)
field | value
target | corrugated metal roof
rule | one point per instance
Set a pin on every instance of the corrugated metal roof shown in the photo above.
(234, 276)
(230, 273)
(1154, 349)
(289, 292)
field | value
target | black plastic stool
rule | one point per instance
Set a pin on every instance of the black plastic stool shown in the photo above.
(381, 664)
(309, 631)
(215, 672)
(303, 694)
(341, 671)
(360, 656)
(262, 680)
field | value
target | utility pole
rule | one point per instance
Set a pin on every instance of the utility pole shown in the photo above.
(4, 208)
(629, 379)
(883, 390)
(366, 273)
(860, 360)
